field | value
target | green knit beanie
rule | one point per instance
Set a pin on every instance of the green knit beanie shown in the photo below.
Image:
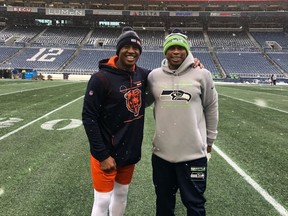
(176, 39)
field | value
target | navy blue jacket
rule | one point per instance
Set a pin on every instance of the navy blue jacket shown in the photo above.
(113, 113)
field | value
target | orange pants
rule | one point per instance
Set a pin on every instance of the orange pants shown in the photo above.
(104, 182)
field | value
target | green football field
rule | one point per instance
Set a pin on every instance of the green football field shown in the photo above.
(44, 153)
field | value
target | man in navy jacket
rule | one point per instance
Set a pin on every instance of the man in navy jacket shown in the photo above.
(113, 117)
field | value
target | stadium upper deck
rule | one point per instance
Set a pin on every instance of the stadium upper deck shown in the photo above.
(157, 14)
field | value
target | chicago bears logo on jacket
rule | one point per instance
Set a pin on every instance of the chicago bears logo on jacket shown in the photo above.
(133, 101)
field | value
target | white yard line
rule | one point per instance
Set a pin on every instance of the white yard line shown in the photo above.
(15, 92)
(283, 111)
(32, 122)
(254, 184)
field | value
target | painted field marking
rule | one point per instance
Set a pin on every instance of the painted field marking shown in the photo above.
(283, 111)
(25, 90)
(32, 122)
(254, 184)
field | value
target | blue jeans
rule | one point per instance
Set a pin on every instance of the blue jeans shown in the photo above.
(189, 177)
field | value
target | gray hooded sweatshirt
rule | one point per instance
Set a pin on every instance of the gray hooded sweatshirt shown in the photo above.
(185, 111)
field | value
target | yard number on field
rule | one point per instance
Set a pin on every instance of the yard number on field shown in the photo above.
(66, 124)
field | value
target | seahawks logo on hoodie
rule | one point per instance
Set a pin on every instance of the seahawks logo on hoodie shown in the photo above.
(172, 95)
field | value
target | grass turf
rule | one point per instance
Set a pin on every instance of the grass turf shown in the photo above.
(46, 172)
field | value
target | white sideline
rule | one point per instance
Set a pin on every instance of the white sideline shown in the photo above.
(47, 114)
(254, 184)
(254, 103)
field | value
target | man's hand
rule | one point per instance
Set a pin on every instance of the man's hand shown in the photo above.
(108, 164)
(197, 63)
(209, 149)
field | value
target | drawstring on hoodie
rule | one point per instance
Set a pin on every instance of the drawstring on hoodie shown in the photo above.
(175, 83)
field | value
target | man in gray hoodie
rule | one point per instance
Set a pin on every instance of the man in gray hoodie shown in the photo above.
(186, 118)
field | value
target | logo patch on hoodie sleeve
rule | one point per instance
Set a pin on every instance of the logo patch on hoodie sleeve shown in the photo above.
(91, 93)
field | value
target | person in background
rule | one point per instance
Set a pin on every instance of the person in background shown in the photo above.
(113, 118)
(186, 119)
(23, 74)
(273, 79)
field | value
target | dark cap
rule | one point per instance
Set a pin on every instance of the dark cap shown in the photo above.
(128, 37)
